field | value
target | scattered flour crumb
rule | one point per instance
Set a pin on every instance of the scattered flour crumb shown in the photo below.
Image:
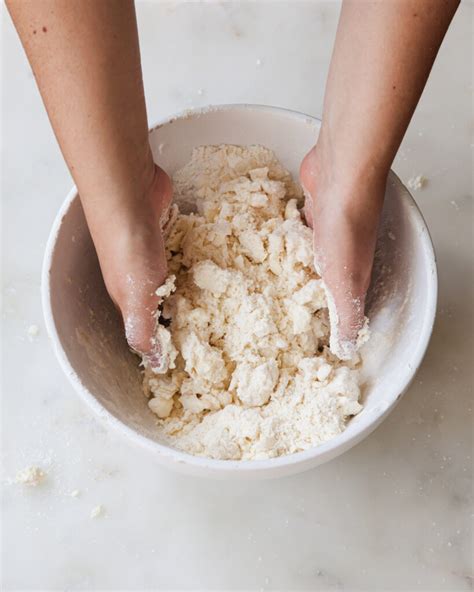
(161, 147)
(97, 511)
(75, 493)
(32, 332)
(31, 476)
(391, 236)
(200, 91)
(247, 370)
(258, 62)
(417, 182)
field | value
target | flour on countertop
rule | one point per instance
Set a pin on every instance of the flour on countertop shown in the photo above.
(97, 511)
(31, 476)
(417, 182)
(246, 372)
(32, 332)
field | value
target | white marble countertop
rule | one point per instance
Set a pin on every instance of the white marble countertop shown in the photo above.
(392, 513)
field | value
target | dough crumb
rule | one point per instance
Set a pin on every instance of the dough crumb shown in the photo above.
(75, 493)
(97, 511)
(417, 182)
(32, 332)
(31, 476)
(247, 371)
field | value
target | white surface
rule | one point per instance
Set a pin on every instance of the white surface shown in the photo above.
(392, 513)
(89, 341)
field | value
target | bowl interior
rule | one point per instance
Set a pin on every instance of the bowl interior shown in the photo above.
(89, 332)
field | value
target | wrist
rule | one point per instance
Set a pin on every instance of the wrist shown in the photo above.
(129, 203)
(337, 190)
(116, 183)
(331, 176)
(347, 164)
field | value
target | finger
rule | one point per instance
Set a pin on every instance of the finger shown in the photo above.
(140, 314)
(141, 318)
(347, 321)
(346, 283)
(140, 327)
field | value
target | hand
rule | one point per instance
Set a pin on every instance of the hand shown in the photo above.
(131, 252)
(343, 209)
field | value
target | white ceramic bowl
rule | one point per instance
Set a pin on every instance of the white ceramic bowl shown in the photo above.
(87, 334)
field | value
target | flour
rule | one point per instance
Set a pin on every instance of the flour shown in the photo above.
(33, 332)
(30, 476)
(97, 512)
(246, 370)
(416, 182)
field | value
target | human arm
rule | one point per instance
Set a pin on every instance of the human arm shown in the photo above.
(86, 61)
(382, 57)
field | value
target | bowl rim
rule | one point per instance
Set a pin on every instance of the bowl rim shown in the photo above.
(329, 449)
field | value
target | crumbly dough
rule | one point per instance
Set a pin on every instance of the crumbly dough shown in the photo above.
(32, 332)
(416, 182)
(30, 476)
(97, 511)
(246, 370)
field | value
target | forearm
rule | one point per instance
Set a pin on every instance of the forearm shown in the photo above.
(383, 54)
(85, 58)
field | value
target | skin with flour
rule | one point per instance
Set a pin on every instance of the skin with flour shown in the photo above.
(247, 372)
